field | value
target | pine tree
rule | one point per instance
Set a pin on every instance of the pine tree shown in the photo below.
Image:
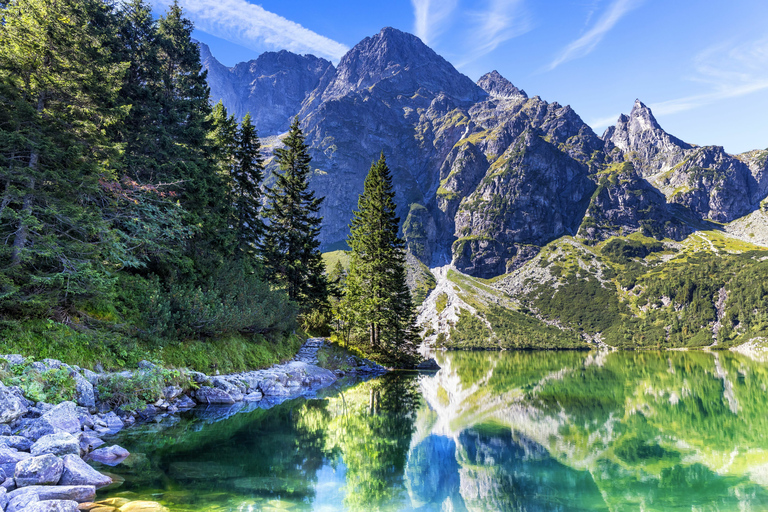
(247, 175)
(377, 302)
(291, 247)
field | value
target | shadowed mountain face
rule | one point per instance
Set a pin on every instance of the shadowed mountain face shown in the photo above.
(486, 174)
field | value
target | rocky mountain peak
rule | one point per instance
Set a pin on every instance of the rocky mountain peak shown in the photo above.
(405, 64)
(499, 87)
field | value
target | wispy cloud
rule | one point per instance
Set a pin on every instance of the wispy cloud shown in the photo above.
(589, 41)
(431, 17)
(501, 21)
(603, 122)
(254, 27)
(728, 70)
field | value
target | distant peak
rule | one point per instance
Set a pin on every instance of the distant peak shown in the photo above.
(499, 87)
(644, 116)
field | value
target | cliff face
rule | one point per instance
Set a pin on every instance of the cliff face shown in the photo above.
(483, 174)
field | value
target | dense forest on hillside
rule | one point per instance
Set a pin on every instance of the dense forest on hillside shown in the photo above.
(129, 207)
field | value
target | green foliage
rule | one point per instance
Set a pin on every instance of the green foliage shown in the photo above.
(441, 302)
(141, 387)
(584, 304)
(623, 251)
(52, 386)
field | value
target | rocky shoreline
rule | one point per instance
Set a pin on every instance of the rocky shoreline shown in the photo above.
(44, 448)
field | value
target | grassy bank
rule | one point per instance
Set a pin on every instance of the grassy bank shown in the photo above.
(114, 350)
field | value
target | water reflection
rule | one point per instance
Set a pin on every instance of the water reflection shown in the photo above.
(490, 431)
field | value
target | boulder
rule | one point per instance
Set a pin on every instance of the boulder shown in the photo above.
(5, 430)
(60, 443)
(9, 484)
(3, 498)
(89, 442)
(109, 455)
(43, 470)
(143, 506)
(84, 389)
(90, 376)
(64, 417)
(12, 406)
(78, 493)
(20, 443)
(428, 365)
(146, 365)
(21, 502)
(185, 402)
(233, 390)
(37, 428)
(9, 458)
(209, 395)
(52, 506)
(14, 359)
(171, 392)
(77, 472)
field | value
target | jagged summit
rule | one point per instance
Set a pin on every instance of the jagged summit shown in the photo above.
(404, 63)
(499, 87)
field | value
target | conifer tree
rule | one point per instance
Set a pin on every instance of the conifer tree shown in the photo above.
(291, 247)
(247, 175)
(377, 301)
(58, 88)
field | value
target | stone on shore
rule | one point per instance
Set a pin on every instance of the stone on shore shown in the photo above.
(20, 443)
(428, 365)
(12, 406)
(209, 395)
(21, 502)
(84, 389)
(52, 506)
(9, 458)
(64, 417)
(77, 493)
(110, 454)
(78, 472)
(43, 470)
(60, 443)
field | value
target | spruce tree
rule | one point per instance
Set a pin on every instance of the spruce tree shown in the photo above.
(290, 247)
(58, 91)
(247, 175)
(378, 302)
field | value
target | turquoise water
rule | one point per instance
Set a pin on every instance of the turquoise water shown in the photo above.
(559, 431)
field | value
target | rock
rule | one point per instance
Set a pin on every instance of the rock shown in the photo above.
(12, 406)
(143, 506)
(37, 428)
(3, 498)
(89, 442)
(171, 392)
(20, 443)
(185, 403)
(90, 376)
(114, 502)
(84, 389)
(52, 364)
(253, 396)
(146, 365)
(52, 506)
(64, 417)
(77, 493)
(78, 472)
(86, 420)
(149, 411)
(113, 422)
(209, 395)
(43, 470)
(430, 365)
(9, 484)
(5, 430)
(109, 455)
(58, 444)
(21, 502)
(9, 458)
(232, 389)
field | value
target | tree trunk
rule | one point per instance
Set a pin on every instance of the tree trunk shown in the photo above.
(22, 234)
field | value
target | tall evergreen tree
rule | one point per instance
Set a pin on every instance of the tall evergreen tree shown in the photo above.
(290, 247)
(377, 300)
(247, 175)
(58, 84)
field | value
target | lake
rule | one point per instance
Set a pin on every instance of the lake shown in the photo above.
(491, 431)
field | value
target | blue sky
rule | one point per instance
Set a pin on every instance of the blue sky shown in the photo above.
(701, 65)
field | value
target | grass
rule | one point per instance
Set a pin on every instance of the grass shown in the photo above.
(331, 258)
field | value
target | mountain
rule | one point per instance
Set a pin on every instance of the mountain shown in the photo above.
(498, 184)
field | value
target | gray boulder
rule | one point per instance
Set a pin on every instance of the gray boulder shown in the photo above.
(20, 443)
(9, 458)
(232, 389)
(78, 472)
(12, 406)
(3, 498)
(37, 428)
(85, 395)
(209, 395)
(9, 484)
(171, 392)
(90, 376)
(60, 443)
(109, 455)
(20, 502)
(43, 470)
(64, 417)
(52, 506)
(14, 359)
(89, 442)
(5, 430)
(78, 493)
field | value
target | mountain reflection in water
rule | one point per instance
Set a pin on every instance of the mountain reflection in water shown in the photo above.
(534, 431)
